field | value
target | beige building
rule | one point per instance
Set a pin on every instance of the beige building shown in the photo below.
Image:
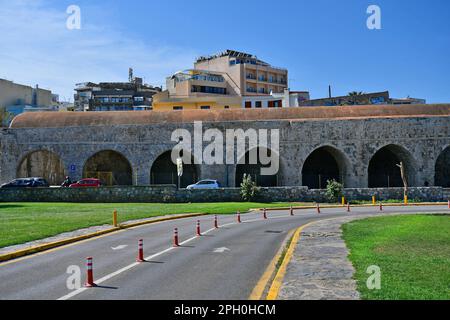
(12, 94)
(249, 74)
(221, 81)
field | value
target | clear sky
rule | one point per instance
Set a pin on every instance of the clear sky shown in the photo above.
(321, 42)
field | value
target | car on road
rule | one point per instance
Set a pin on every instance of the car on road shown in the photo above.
(205, 184)
(87, 183)
(26, 183)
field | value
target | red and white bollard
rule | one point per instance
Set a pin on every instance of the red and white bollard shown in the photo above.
(265, 214)
(198, 229)
(216, 223)
(89, 273)
(239, 217)
(291, 211)
(381, 206)
(140, 256)
(449, 204)
(318, 208)
(175, 238)
(348, 206)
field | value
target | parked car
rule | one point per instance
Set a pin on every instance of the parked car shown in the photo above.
(205, 184)
(26, 183)
(84, 183)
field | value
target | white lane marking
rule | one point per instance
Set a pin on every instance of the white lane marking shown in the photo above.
(221, 250)
(123, 246)
(111, 275)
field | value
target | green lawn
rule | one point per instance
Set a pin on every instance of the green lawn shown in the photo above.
(23, 222)
(413, 253)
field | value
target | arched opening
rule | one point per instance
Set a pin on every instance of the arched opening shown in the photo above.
(442, 169)
(383, 170)
(164, 171)
(43, 164)
(254, 170)
(110, 167)
(323, 164)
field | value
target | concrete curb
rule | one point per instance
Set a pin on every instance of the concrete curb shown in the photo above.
(332, 206)
(51, 245)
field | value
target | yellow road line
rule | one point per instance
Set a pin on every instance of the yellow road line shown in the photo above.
(56, 245)
(277, 282)
(265, 278)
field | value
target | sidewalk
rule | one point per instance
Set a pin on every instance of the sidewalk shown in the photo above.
(319, 268)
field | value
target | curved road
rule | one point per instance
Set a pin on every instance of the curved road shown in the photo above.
(222, 264)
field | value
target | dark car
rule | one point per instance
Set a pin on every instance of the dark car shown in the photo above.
(26, 183)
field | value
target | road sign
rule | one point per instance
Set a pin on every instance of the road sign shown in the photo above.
(73, 168)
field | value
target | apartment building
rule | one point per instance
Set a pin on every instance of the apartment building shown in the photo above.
(250, 74)
(221, 81)
(197, 89)
(115, 96)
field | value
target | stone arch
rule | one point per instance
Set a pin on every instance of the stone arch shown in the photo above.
(442, 169)
(383, 171)
(110, 166)
(254, 170)
(42, 163)
(322, 164)
(164, 171)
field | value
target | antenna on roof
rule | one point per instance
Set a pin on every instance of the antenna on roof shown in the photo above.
(130, 75)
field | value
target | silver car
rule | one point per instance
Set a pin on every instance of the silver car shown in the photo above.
(205, 184)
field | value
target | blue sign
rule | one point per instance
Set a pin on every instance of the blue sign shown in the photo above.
(73, 168)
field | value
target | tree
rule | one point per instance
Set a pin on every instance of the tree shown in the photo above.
(355, 93)
(249, 190)
(405, 181)
(334, 190)
(5, 117)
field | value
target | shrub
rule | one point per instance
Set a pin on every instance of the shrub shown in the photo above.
(334, 190)
(249, 190)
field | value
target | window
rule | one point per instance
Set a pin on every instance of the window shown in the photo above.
(177, 108)
(205, 107)
(205, 89)
(248, 104)
(262, 90)
(258, 104)
(227, 107)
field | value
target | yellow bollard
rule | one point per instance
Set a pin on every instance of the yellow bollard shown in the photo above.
(373, 200)
(406, 200)
(343, 201)
(115, 219)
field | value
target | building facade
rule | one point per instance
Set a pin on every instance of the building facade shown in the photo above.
(249, 74)
(114, 96)
(287, 99)
(222, 81)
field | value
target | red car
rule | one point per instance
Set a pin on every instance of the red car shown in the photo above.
(84, 183)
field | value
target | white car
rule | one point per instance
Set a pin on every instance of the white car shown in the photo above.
(204, 184)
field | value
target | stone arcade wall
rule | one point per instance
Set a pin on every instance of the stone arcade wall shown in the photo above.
(354, 134)
(158, 194)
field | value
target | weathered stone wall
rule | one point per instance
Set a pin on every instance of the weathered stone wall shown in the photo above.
(159, 194)
(420, 140)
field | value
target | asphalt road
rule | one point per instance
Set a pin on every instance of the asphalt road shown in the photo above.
(222, 264)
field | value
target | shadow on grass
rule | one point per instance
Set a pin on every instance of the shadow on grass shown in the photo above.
(8, 206)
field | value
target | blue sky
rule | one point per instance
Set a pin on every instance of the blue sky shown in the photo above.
(321, 42)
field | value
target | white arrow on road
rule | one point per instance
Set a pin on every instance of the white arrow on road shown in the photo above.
(221, 250)
(119, 247)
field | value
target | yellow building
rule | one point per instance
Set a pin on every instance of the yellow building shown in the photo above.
(197, 89)
(221, 81)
